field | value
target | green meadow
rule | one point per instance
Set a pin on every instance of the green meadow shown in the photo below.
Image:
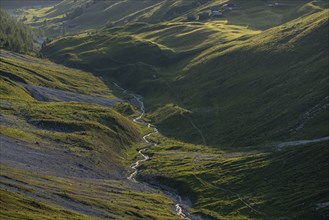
(240, 101)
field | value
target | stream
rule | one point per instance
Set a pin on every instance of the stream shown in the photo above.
(139, 119)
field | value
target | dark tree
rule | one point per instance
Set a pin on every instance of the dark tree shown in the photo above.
(14, 35)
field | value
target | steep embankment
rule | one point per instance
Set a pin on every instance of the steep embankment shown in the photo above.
(64, 145)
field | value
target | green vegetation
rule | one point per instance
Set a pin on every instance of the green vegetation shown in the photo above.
(247, 99)
(110, 199)
(277, 92)
(225, 92)
(77, 126)
(267, 183)
(89, 140)
(31, 70)
(237, 90)
(17, 4)
(71, 17)
(16, 206)
(264, 14)
(14, 35)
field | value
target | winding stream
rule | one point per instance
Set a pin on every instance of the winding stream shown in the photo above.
(135, 165)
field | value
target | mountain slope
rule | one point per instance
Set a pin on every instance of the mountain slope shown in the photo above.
(63, 121)
(241, 105)
(264, 183)
(208, 83)
(77, 16)
(277, 91)
(64, 147)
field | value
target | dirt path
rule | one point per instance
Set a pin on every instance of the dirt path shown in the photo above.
(302, 142)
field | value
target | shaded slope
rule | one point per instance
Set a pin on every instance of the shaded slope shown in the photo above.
(232, 75)
(271, 87)
(264, 183)
(138, 54)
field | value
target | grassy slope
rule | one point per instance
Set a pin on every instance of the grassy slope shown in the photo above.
(89, 132)
(213, 94)
(278, 91)
(167, 42)
(208, 82)
(26, 207)
(289, 182)
(97, 15)
(41, 196)
(250, 13)
(83, 122)
(14, 4)
(258, 15)
(271, 183)
(31, 70)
